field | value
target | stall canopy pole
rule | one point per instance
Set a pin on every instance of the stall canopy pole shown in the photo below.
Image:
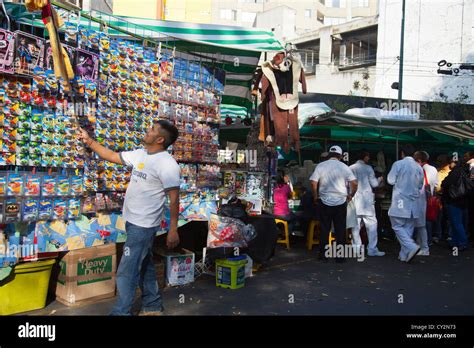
(396, 147)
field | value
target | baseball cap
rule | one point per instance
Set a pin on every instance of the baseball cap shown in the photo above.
(336, 149)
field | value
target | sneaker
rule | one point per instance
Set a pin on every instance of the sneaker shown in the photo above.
(375, 252)
(400, 259)
(435, 240)
(413, 253)
(424, 253)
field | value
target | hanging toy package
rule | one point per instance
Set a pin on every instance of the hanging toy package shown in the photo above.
(32, 185)
(29, 53)
(74, 208)
(7, 50)
(48, 188)
(30, 210)
(15, 185)
(45, 209)
(12, 211)
(60, 209)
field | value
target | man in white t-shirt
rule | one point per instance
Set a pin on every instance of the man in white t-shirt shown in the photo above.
(331, 179)
(155, 174)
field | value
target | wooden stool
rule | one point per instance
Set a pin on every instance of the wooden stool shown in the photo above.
(285, 240)
(313, 238)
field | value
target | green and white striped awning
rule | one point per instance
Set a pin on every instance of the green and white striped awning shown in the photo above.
(235, 49)
(234, 111)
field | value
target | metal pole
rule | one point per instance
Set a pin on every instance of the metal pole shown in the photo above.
(402, 43)
(396, 155)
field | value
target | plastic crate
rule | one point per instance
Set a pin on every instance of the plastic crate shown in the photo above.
(28, 289)
(230, 273)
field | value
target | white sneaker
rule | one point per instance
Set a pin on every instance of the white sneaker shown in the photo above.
(413, 253)
(375, 252)
(400, 259)
(424, 252)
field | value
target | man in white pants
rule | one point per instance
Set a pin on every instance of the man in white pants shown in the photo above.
(407, 177)
(430, 180)
(364, 203)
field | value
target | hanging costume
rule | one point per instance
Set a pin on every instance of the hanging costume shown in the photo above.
(280, 101)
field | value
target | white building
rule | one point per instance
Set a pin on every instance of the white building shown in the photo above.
(306, 15)
(361, 57)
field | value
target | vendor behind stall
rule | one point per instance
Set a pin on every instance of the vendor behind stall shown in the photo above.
(281, 194)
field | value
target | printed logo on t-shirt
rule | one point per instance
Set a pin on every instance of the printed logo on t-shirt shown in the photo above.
(141, 166)
(138, 174)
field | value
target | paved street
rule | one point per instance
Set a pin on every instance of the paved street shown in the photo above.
(436, 285)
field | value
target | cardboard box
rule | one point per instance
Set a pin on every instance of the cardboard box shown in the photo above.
(87, 275)
(179, 266)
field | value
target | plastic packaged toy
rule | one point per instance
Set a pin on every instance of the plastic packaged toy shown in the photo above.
(74, 208)
(15, 185)
(76, 185)
(63, 185)
(60, 209)
(30, 210)
(3, 185)
(87, 65)
(45, 209)
(29, 52)
(7, 51)
(32, 185)
(12, 211)
(48, 188)
(71, 32)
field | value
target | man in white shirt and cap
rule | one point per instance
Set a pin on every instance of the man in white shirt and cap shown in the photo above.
(364, 203)
(407, 177)
(329, 183)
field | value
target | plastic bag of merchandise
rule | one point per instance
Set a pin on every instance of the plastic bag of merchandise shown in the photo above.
(228, 232)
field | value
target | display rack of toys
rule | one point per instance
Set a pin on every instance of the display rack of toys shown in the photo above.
(120, 87)
(65, 197)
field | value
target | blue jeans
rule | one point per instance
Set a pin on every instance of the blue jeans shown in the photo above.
(137, 269)
(457, 217)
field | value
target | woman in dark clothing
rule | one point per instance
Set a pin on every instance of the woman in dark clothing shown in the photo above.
(457, 207)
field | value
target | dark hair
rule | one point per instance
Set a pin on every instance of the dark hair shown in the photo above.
(470, 154)
(280, 178)
(334, 154)
(408, 150)
(421, 156)
(443, 160)
(363, 153)
(170, 132)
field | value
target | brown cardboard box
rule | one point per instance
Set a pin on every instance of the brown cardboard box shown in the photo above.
(87, 275)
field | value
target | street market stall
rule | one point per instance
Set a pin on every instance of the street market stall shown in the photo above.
(120, 74)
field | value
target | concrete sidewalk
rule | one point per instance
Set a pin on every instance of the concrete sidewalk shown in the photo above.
(295, 283)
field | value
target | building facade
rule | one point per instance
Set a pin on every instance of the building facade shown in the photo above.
(153, 9)
(361, 57)
(308, 14)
